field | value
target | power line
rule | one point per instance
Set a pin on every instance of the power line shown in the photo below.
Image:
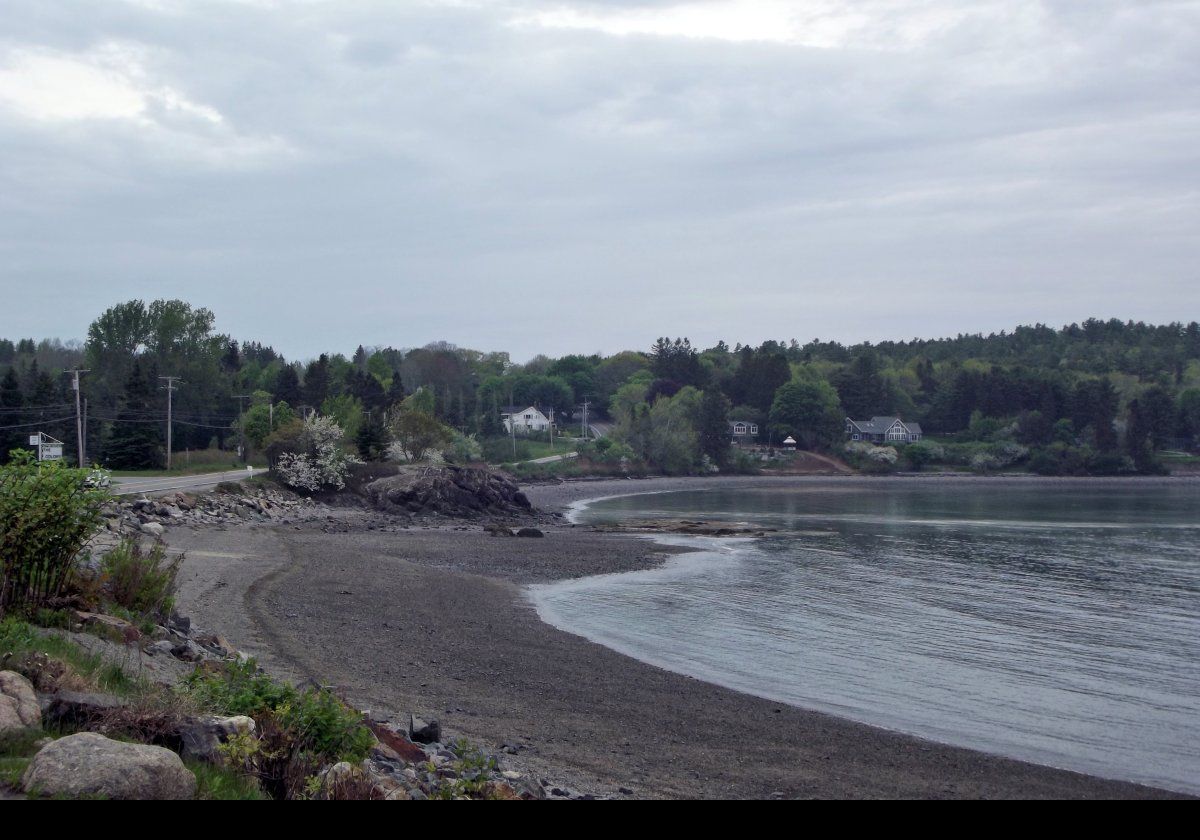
(38, 423)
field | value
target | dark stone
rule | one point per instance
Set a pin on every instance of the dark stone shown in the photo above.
(79, 708)
(424, 732)
(530, 532)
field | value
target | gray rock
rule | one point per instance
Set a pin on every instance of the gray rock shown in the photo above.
(424, 732)
(202, 738)
(189, 651)
(19, 707)
(90, 765)
(153, 529)
(530, 532)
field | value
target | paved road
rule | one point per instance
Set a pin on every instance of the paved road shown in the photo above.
(550, 459)
(165, 484)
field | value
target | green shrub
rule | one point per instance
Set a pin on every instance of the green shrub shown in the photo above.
(47, 515)
(216, 782)
(298, 732)
(140, 581)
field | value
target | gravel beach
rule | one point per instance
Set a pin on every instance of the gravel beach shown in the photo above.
(435, 621)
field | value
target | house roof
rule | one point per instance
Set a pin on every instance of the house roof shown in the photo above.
(742, 423)
(879, 425)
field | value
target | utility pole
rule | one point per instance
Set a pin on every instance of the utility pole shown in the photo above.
(552, 429)
(242, 421)
(170, 389)
(78, 418)
(585, 418)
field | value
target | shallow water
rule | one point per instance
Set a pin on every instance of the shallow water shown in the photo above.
(1054, 624)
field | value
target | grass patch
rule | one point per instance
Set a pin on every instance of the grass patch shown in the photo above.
(12, 768)
(18, 638)
(214, 782)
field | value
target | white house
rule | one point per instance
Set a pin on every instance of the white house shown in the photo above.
(526, 421)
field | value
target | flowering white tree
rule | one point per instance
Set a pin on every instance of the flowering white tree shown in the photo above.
(322, 461)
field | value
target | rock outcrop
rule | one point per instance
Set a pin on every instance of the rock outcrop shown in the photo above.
(464, 492)
(90, 765)
(19, 707)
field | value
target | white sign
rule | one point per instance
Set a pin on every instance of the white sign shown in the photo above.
(48, 448)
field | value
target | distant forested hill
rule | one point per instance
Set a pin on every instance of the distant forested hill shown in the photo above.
(1100, 386)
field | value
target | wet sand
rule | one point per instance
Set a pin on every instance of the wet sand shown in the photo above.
(435, 622)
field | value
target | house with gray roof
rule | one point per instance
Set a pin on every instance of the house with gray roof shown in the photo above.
(883, 430)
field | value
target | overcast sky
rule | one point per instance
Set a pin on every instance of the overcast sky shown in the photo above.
(586, 176)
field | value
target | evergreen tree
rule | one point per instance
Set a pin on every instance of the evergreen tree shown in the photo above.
(136, 439)
(372, 439)
(712, 426)
(316, 382)
(11, 400)
(287, 387)
(395, 392)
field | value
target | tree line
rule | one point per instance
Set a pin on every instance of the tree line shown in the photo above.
(1103, 386)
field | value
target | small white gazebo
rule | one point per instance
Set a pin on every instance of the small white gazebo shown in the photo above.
(789, 442)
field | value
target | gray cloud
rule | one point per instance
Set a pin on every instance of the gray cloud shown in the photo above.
(325, 174)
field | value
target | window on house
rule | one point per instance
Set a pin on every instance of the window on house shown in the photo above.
(754, 430)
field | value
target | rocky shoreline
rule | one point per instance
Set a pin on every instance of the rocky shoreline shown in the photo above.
(401, 613)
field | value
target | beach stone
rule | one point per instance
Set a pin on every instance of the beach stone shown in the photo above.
(397, 744)
(110, 623)
(424, 732)
(530, 532)
(89, 765)
(202, 738)
(153, 529)
(19, 708)
(189, 651)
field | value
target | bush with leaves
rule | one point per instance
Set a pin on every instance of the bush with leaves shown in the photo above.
(47, 515)
(140, 581)
(297, 734)
(320, 461)
(416, 433)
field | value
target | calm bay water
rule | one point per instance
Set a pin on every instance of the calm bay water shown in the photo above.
(1057, 624)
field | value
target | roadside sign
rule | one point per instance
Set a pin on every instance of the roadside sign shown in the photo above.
(48, 448)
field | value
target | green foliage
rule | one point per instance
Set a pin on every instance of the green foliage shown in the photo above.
(464, 449)
(415, 431)
(47, 515)
(372, 439)
(712, 427)
(474, 769)
(19, 638)
(140, 581)
(347, 411)
(807, 409)
(315, 719)
(214, 782)
(239, 688)
(262, 419)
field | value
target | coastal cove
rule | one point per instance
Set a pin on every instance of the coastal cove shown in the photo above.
(436, 619)
(1056, 622)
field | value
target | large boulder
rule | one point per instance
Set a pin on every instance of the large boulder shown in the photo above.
(90, 765)
(449, 491)
(19, 707)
